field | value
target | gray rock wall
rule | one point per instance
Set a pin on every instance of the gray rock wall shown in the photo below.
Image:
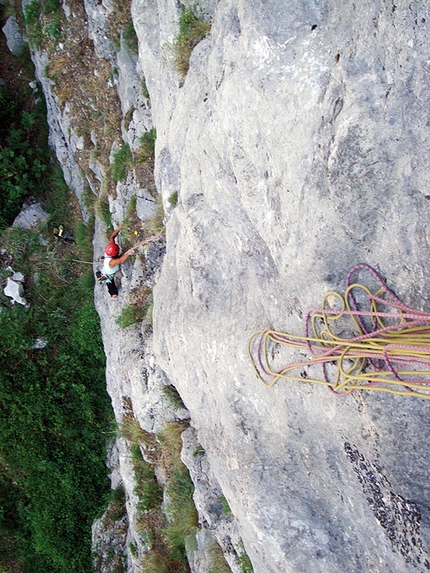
(298, 145)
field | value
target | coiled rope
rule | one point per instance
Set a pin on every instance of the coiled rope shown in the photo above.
(362, 340)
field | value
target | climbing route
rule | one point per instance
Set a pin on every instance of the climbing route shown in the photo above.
(366, 339)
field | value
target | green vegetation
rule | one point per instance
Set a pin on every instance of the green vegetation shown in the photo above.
(137, 309)
(155, 225)
(104, 213)
(199, 450)
(44, 21)
(192, 29)
(147, 489)
(147, 146)
(244, 561)
(54, 409)
(219, 564)
(173, 199)
(144, 88)
(183, 514)
(122, 161)
(174, 398)
(24, 155)
(131, 223)
(130, 37)
(130, 315)
(165, 535)
(225, 505)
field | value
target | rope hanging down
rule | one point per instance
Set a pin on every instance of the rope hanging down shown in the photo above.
(363, 340)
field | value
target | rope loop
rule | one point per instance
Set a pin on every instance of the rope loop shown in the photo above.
(363, 340)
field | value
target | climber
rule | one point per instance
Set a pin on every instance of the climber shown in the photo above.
(112, 262)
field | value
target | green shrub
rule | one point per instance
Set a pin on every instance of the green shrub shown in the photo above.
(53, 414)
(24, 157)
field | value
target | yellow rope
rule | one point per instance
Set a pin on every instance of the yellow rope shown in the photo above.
(389, 350)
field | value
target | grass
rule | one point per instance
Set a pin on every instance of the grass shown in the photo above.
(164, 535)
(147, 489)
(137, 310)
(173, 199)
(130, 37)
(170, 447)
(122, 162)
(44, 22)
(192, 29)
(181, 511)
(131, 224)
(174, 398)
(131, 430)
(225, 505)
(244, 561)
(104, 212)
(143, 88)
(219, 564)
(155, 225)
(116, 508)
(83, 235)
(146, 151)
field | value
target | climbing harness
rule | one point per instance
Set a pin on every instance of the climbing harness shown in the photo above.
(362, 340)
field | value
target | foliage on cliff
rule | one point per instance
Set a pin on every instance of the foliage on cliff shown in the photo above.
(23, 162)
(54, 411)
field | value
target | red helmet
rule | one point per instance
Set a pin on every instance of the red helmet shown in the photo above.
(112, 249)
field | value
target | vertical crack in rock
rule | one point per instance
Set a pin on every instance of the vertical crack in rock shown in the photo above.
(399, 517)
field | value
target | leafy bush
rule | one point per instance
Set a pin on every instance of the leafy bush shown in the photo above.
(24, 157)
(54, 409)
(53, 413)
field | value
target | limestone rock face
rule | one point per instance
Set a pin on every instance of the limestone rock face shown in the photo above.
(32, 214)
(14, 37)
(298, 145)
(15, 291)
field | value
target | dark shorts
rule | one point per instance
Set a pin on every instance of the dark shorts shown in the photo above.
(112, 287)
